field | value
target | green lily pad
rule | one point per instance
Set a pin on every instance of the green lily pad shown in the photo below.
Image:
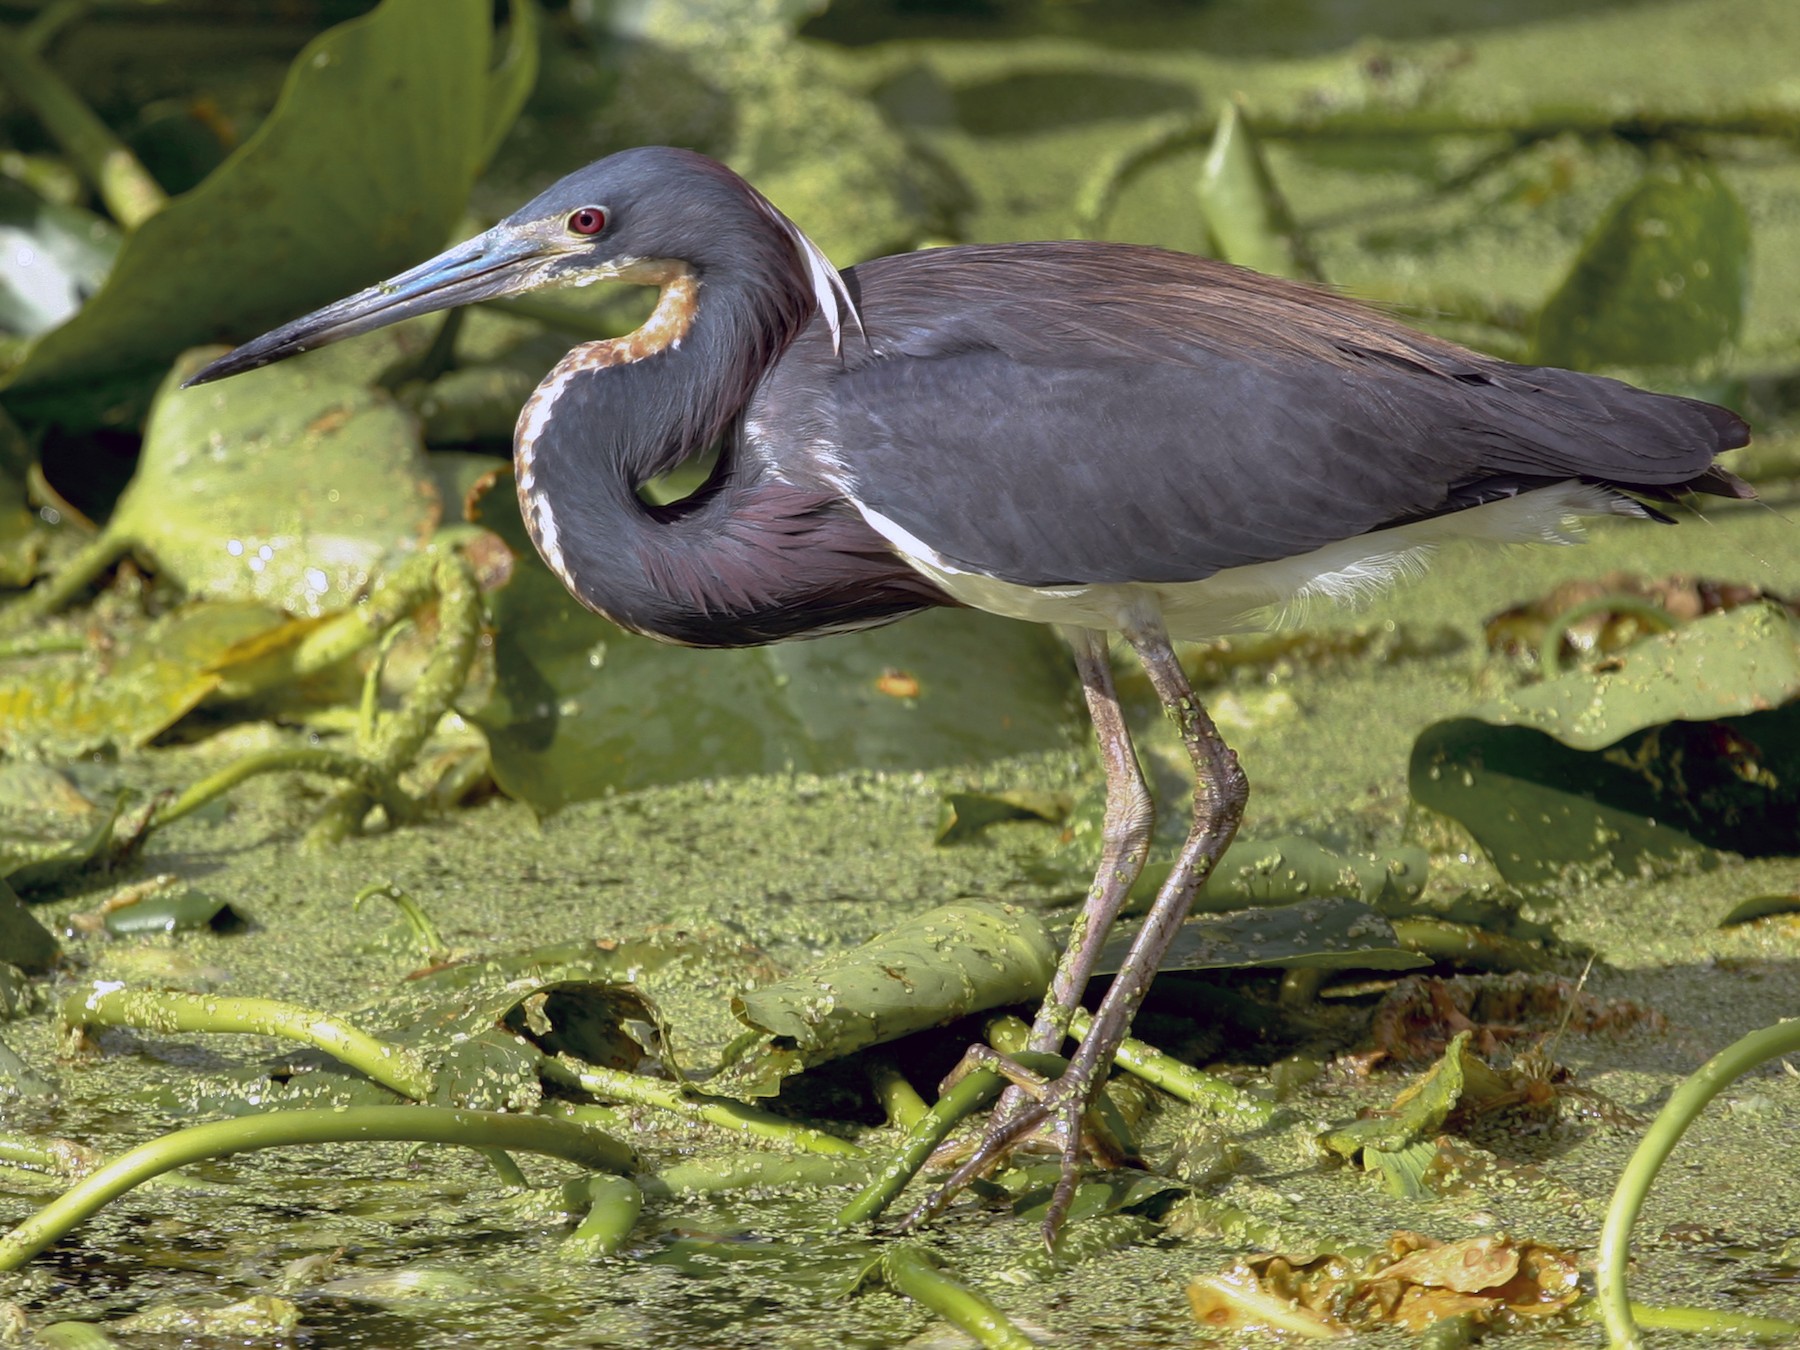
(1662, 281)
(1684, 744)
(581, 708)
(294, 217)
(1328, 933)
(71, 703)
(288, 485)
(956, 960)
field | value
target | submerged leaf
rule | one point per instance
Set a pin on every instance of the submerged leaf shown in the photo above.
(581, 708)
(1662, 281)
(1698, 734)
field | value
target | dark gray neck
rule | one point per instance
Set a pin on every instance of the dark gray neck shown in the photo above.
(747, 559)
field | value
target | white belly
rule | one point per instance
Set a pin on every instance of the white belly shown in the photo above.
(1270, 594)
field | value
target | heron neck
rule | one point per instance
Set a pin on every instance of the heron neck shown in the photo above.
(746, 559)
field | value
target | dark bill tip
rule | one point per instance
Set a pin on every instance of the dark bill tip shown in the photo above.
(485, 268)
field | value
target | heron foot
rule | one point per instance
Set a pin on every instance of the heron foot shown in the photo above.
(1033, 1103)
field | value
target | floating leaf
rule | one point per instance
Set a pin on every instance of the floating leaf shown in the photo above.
(973, 812)
(293, 219)
(1419, 1112)
(1329, 933)
(1662, 281)
(956, 960)
(1696, 732)
(24, 942)
(307, 482)
(581, 707)
(74, 703)
(172, 910)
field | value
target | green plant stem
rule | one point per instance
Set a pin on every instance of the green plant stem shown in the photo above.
(292, 759)
(613, 1206)
(1613, 1257)
(1447, 941)
(126, 187)
(1703, 1321)
(750, 1170)
(909, 1269)
(59, 590)
(280, 1129)
(970, 1093)
(397, 739)
(1183, 1080)
(426, 938)
(163, 1010)
(614, 1085)
(904, 1106)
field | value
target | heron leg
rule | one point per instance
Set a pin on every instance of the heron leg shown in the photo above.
(1220, 793)
(1124, 842)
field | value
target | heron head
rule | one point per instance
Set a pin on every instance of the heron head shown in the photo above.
(622, 218)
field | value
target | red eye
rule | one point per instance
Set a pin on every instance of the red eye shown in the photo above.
(588, 220)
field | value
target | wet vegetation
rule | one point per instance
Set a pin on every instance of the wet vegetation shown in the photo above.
(391, 951)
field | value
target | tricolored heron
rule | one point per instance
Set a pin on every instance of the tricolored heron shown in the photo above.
(1113, 439)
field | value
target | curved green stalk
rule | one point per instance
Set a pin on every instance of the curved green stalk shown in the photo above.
(393, 1066)
(292, 759)
(968, 1094)
(614, 1204)
(1681, 1110)
(281, 1129)
(395, 741)
(1182, 1080)
(909, 1269)
(58, 590)
(1702, 1321)
(899, 1099)
(637, 1090)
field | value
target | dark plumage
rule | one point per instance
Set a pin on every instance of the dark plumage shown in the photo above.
(1106, 437)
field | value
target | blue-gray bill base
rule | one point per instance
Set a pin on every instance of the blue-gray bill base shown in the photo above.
(1110, 438)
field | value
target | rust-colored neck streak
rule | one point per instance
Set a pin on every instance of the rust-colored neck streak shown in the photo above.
(664, 330)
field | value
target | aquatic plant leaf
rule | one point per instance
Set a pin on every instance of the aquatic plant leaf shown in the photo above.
(24, 942)
(1662, 281)
(1420, 1110)
(292, 220)
(73, 703)
(1761, 907)
(581, 708)
(1680, 745)
(1246, 215)
(972, 812)
(177, 909)
(1328, 933)
(1273, 870)
(288, 485)
(956, 960)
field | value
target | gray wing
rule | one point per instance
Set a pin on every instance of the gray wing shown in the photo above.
(1086, 413)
